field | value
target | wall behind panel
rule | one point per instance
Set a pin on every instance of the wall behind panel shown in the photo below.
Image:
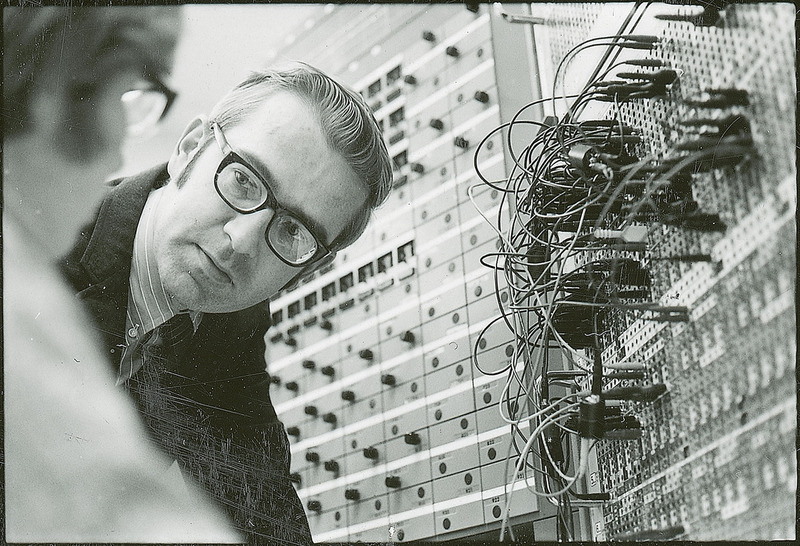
(219, 45)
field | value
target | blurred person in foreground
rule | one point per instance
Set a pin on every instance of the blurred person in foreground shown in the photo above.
(178, 268)
(79, 466)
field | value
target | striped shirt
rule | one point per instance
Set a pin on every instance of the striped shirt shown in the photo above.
(149, 306)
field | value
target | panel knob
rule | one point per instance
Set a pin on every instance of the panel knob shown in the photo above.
(428, 36)
(452, 51)
(315, 506)
(275, 380)
(291, 342)
(329, 418)
(331, 466)
(481, 96)
(292, 386)
(461, 142)
(412, 438)
(371, 452)
(437, 124)
(407, 336)
(350, 396)
(310, 410)
(309, 364)
(392, 481)
(293, 431)
(294, 477)
(418, 168)
(328, 370)
(326, 325)
(410, 79)
(389, 379)
(366, 354)
(312, 456)
(352, 494)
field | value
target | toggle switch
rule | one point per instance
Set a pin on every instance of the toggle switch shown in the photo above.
(291, 342)
(310, 410)
(309, 364)
(329, 418)
(352, 494)
(392, 481)
(418, 168)
(410, 79)
(428, 36)
(314, 506)
(407, 336)
(371, 452)
(437, 124)
(312, 456)
(366, 354)
(412, 438)
(326, 325)
(331, 466)
(275, 380)
(452, 51)
(388, 379)
(328, 370)
(294, 477)
(292, 386)
(350, 396)
(293, 431)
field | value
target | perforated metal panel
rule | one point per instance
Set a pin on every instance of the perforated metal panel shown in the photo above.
(717, 452)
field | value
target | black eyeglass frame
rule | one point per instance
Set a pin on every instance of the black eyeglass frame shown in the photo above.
(157, 85)
(270, 202)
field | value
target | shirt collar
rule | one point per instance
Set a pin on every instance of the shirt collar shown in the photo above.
(148, 303)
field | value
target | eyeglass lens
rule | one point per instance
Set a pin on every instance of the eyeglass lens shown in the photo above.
(242, 189)
(143, 109)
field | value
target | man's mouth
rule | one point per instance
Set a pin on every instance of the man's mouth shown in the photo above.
(215, 270)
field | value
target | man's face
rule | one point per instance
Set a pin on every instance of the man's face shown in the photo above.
(214, 259)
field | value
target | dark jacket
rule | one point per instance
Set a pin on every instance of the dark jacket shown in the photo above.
(209, 406)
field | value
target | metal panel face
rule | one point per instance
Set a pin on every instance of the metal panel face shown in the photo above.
(391, 323)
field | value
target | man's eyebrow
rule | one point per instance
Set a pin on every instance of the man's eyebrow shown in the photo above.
(266, 175)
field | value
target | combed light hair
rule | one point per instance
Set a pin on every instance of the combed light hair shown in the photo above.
(347, 123)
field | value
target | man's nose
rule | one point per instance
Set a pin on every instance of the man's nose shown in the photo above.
(248, 231)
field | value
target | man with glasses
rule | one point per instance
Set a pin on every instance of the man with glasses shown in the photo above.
(179, 266)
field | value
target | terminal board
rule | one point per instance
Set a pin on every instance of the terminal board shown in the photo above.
(409, 371)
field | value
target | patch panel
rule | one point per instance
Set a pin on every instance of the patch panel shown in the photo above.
(377, 359)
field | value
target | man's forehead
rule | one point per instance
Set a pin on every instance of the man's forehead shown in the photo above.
(285, 140)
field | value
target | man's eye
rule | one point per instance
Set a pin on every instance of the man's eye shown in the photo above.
(292, 229)
(242, 179)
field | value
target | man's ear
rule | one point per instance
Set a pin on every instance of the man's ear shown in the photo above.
(193, 136)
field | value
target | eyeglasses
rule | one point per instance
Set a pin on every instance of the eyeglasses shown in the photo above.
(146, 104)
(245, 191)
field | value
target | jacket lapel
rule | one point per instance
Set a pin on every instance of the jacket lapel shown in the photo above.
(107, 257)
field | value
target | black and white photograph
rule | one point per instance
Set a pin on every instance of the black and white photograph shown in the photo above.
(385, 273)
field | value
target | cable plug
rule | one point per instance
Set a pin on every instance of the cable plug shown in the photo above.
(654, 63)
(626, 375)
(624, 434)
(709, 16)
(592, 412)
(629, 234)
(706, 142)
(719, 98)
(660, 77)
(697, 221)
(736, 125)
(621, 422)
(646, 393)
